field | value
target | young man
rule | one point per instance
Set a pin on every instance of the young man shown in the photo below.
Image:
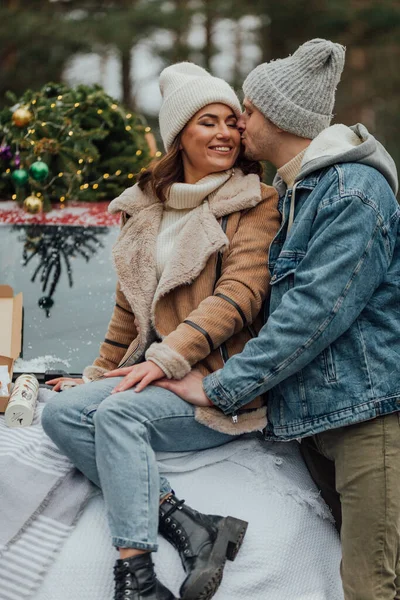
(329, 352)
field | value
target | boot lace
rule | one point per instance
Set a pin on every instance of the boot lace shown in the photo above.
(126, 583)
(176, 535)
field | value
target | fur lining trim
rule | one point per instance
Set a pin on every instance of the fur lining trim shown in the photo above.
(174, 365)
(213, 417)
(92, 373)
(131, 200)
(200, 237)
(134, 260)
(240, 192)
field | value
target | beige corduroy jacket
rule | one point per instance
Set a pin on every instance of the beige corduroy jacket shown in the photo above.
(187, 318)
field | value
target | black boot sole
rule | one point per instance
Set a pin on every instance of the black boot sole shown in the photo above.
(229, 539)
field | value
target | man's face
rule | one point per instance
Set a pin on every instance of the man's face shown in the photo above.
(259, 136)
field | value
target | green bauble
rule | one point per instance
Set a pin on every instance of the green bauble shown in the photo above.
(39, 170)
(20, 177)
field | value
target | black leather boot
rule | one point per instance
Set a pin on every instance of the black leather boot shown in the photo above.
(204, 542)
(135, 580)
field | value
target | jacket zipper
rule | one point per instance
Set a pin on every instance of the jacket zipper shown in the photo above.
(129, 357)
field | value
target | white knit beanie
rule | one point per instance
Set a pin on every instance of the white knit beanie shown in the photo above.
(187, 88)
(297, 93)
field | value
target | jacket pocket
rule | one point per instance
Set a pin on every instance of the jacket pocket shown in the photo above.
(286, 266)
(329, 364)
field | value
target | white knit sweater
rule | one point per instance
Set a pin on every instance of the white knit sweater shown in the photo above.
(182, 199)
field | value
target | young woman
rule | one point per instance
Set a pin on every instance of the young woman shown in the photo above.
(191, 260)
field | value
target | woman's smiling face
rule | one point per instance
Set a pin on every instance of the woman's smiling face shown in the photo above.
(210, 142)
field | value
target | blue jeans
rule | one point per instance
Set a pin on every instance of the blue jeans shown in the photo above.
(112, 439)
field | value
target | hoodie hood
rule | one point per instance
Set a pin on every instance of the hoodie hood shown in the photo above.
(342, 144)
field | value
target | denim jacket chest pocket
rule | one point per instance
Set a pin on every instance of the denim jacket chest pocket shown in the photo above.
(284, 269)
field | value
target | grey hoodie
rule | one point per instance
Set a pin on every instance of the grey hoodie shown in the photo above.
(342, 144)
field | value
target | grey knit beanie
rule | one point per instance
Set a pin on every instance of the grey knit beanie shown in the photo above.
(297, 93)
(186, 88)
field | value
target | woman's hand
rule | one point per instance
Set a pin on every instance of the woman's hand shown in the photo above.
(140, 375)
(190, 388)
(58, 381)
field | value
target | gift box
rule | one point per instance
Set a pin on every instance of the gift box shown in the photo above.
(10, 333)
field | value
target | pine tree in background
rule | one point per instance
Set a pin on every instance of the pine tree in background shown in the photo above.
(61, 144)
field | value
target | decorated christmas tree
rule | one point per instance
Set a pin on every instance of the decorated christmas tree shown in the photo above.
(61, 144)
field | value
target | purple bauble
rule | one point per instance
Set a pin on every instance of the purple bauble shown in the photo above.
(5, 152)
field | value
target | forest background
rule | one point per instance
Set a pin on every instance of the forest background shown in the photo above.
(124, 44)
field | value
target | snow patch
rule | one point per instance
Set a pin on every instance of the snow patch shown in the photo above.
(39, 364)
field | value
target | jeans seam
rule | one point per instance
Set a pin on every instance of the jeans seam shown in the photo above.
(163, 418)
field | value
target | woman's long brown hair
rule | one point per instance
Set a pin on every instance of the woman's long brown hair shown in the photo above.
(161, 174)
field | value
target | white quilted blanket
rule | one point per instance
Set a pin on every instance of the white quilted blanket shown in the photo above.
(291, 550)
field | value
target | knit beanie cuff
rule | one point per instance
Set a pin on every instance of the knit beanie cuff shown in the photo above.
(280, 110)
(185, 101)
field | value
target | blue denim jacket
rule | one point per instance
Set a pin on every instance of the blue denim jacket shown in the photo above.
(329, 354)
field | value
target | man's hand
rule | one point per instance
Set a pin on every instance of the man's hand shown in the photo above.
(142, 374)
(58, 381)
(190, 388)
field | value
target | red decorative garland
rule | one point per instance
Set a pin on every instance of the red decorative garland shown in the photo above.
(74, 213)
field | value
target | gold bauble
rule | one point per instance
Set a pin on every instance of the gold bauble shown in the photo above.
(33, 205)
(22, 116)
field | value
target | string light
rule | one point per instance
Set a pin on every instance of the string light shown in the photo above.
(59, 97)
(8, 170)
(14, 196)
(95, 186)
(33, 101)
(62, 199)
(76, 104)
(71, 133)
(80, 161)
(128, 116)
(128, 127)
(106, 175)
(147, 129)
(78, 172)
(90, 159)
(85, 186)
(114, 106)
(53, 105)
(138, 152)
(131, 176)
(118, 172)
(44, 124)
(158, 154)
(60, 174)
(99, 112)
